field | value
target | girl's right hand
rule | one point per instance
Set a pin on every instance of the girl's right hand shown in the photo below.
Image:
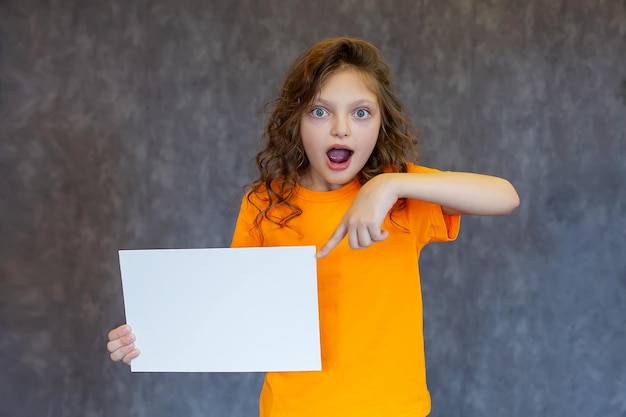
(122, 344)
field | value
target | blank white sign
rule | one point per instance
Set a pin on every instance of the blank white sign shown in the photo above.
(223, 310)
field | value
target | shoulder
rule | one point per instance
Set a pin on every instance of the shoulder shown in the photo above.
(428, 218)
(419, 169)
(256, 193)
(252, 201)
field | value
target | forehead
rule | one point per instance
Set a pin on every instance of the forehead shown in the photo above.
(349, 81)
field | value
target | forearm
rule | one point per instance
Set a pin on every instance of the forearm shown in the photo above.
(457, 192)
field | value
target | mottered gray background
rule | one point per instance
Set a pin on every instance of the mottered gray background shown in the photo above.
(133, 124)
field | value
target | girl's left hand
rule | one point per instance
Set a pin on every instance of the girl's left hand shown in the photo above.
(363, 221)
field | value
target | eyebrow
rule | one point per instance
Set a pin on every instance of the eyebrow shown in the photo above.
(355, 103)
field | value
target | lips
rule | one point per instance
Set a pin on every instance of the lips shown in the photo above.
(339, 155)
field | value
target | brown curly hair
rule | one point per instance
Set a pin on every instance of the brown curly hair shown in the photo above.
(282, 161)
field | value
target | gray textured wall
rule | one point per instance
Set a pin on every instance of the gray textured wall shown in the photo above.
(132, 124)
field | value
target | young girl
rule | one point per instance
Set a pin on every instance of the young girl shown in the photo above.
(336, 172)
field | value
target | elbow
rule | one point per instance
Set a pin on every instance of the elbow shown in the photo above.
(513, 203)
(511, 200)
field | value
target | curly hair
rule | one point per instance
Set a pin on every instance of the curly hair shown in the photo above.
(282, 161)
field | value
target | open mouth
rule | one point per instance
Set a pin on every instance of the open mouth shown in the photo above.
(339, 155)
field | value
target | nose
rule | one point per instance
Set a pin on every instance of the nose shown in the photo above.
(341, 127)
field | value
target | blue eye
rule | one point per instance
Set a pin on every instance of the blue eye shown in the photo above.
(362, 113)
(318, 112)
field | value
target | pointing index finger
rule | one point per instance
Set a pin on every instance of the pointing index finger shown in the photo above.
(334, 240)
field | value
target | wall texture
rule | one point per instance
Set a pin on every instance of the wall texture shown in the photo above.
(132, 124)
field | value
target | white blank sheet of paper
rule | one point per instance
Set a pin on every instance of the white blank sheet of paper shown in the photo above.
(223, 310)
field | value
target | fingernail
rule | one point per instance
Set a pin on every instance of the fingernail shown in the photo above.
(129, 338)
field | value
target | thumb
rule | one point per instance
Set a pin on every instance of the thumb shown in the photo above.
(334, 240)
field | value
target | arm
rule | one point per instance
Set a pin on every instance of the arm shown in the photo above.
(456, 192)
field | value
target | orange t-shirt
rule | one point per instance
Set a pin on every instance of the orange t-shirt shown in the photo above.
(370, 309)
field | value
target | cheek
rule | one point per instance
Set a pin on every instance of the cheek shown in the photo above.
(310, 135)
(305, 129)
(370, 136)
(307, 144)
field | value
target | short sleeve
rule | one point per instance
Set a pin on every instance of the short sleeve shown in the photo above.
(445, 227)
(442, 227)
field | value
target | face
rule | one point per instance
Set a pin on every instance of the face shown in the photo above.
(339, 131)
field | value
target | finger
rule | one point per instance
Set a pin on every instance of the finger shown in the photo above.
(120, 354)
(353, 237)
(334, 240)
(363, 237)
(114, 345)
(120, 331)
(130, 356)
(378, 235)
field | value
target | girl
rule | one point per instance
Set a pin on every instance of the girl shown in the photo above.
(337, 164)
